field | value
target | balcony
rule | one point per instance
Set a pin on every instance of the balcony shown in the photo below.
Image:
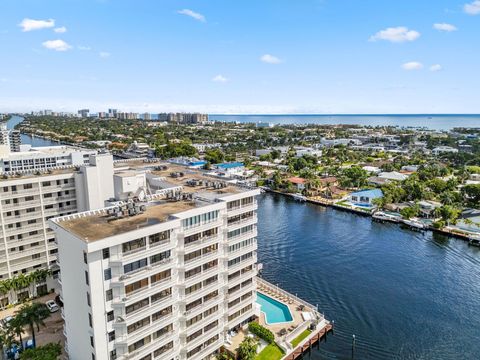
(27, 253)
(206, 320)
(203, 227)
(232, 310)
(201, 243)
(199, 260)
(203, 306)
(139, 274)
(243, 250)
(147, 349)
(242, 209)
(209, 349)
(128, 339)
(242, 291)
(249, 261)
(243, 236)
(20, 193)
(201, 338)
(142, 293)
(241, 278)
(203, 275)
(243, 222)
(202, 292)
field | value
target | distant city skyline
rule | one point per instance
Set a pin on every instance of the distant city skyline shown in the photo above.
(249, 57)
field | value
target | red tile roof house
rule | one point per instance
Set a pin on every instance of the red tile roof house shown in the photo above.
(298, 182)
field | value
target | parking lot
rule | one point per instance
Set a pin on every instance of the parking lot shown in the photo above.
(52, 332)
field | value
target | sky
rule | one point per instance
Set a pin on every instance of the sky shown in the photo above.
(248, 56)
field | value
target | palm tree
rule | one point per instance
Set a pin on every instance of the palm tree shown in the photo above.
(15, 327)
(33, 315)
(248, 349)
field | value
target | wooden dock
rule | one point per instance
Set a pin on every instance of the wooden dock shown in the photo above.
(314, 339)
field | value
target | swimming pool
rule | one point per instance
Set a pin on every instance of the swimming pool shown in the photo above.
(275, 311)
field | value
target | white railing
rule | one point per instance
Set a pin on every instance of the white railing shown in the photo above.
(261, 282)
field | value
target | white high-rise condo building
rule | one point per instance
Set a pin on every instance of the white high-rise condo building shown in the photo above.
(163, 275)
(29, 199)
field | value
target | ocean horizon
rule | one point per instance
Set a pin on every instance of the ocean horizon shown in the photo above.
(430, 121)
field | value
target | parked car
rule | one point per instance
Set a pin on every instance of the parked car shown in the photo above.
(4, 322)
(52, 306)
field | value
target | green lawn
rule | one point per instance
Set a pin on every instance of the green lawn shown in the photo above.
(301, 337)
(271, 352)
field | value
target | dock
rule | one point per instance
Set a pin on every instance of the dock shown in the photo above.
(306, 346)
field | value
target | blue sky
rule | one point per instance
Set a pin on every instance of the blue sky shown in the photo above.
(248, 56)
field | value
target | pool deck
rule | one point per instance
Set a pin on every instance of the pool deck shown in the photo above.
(286, 332)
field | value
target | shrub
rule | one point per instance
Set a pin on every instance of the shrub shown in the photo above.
(261, 332)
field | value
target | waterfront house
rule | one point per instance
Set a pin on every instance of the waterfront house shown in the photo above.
(392, 175)
(469, 220)
(365, 196)
(427, 208)
(298, 182)
(443, 150)
(322, 186)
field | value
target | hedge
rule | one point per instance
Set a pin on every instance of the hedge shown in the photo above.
(261, 332)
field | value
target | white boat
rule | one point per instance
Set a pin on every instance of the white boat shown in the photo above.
(299, 197)
(414, 224)
(382, 216)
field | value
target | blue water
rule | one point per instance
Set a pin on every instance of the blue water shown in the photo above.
(275, 311)
(404, 294)
(27, 139)
(437, 122)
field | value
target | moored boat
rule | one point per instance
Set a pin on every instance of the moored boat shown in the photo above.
(382, 216)
(414, 224)
(299, 197)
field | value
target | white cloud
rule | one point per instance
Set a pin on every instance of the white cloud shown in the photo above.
(270, 59)
(412, 65)
(435, 67)
(473, 8)
(104, 54)
(57, 45)
(445, 27)
(219, 78)
(84, 48)
(31, 24)
(396, 34)
(193, 14)
(60, 30)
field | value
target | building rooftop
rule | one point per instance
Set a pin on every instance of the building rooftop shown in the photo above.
(98, 226)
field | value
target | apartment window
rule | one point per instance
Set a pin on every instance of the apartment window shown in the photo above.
(113, 354)
(29, 198)
(136, 286)
(35, 256)
(138, 325)
(160, 276)
(106, 253)
(107, 273)
(88, 299)
(159, 237)
(161, 314)
(93, 356)
(136, 265)
(139, 344)
(85, 260)
(133, 245)
(160, 257)
(111, 336)
(110, 316)
(161, 295)
(91, 341)
(90, 321)
(137, 306)
(86, 278)
(109, 295)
